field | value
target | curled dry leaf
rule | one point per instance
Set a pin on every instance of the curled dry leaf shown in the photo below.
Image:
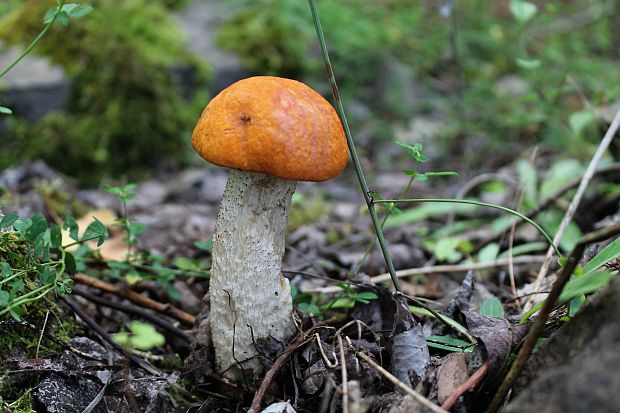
(410, 356)
(498, 337)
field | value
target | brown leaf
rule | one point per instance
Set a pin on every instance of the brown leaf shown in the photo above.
(452, 373)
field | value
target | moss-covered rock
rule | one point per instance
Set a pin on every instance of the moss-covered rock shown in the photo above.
(127, 109)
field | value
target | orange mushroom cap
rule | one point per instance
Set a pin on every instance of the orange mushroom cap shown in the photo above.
(276, 126)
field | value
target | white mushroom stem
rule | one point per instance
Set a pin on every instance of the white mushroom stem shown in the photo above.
(250, 299)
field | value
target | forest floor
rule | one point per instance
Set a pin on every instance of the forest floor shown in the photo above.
(60, 357)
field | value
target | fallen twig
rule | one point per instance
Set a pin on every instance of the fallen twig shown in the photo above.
(524, 259)
(139, 299)
(469, 384)
(128, 309)
(105, 336)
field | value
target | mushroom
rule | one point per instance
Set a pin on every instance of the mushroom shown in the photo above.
(271, 132)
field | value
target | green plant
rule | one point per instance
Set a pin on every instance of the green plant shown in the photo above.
(33, 262)
(585, 280)
(143, 265)
(512, 72)
(63, 13)
(127, 109)
(345, 299)
(143, 336)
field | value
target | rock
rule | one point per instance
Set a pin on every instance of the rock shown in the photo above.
(577, 369)
(172, 229)
(34, 88)
(200, 20)
(199, 185)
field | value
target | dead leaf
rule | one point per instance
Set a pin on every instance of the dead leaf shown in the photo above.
(410, 356)
(498, 336)
(452, 373)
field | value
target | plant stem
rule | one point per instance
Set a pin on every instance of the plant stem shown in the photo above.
(35, 41)
(478, 203)
(372, 244)
(351, 145)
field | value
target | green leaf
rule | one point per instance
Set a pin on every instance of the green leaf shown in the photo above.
(528, 64)
(205, 246)
(5, 111)
(49, 15)
(580, 120)
(48, 276)
(450, 344)
(136, 229)
(4, 297)
(186, 264)
(22, 225)
(452, 323)
(145, 336)
(8, 220)
(585, 284)
(96, 230)
(309, 308)
(80, 11)
(607, 254)
(70, 265)
(575, 304)
(415, 151)
(72, 226)
(523, 11)
(525, 249)
(5, 269)
(365, 297)
(17, 285)
(528, 176)
(343, 302)
(63, 18)
(488, 253)
(446, 249)
(38, 227)
(55, 236)
(492, 307)
(121, 337)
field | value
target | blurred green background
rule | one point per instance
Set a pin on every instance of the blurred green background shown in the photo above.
(476, 81)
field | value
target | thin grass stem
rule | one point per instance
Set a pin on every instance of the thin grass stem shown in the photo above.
(478, 203)
(356, 163)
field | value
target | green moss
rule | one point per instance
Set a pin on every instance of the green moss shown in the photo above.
(127, 111)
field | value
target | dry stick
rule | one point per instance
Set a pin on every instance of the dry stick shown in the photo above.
(139, 299)
(104, 335)
(128, 309)
(469, 384)
(539, 324)
(345, 380)
(417, 396)
(524, 259)
(277, 365)
(568, 216)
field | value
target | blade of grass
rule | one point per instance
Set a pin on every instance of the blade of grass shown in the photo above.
(356, 163)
